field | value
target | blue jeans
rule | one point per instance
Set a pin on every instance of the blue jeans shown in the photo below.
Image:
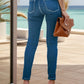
(36, 11)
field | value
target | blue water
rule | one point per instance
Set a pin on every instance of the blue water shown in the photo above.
(76, 13)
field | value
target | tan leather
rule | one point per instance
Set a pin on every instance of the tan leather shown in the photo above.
(61, 29)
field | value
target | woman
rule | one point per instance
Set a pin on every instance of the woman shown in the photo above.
(37, 9)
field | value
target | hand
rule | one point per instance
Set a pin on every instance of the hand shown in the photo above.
(66, 16)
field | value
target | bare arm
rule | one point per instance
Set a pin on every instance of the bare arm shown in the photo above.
(64, 13)
(62, 5)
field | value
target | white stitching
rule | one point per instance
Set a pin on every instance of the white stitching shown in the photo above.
(33, 8)
(39, 7)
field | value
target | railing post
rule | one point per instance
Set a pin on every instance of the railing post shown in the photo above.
(13, 42)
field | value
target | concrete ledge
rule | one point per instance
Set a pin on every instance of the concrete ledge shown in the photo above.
(60, 39)
(77, 31)
(23, 33)
(42, 39)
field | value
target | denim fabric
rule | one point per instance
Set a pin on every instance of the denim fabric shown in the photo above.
(37, 10)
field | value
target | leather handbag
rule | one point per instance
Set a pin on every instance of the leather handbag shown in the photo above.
(62, 29)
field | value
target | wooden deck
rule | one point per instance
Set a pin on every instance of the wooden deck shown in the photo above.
(70, 63)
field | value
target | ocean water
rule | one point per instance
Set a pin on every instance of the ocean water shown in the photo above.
(77, 13)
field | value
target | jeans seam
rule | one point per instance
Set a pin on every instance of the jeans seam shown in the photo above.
(33, 8)
(51, 46)
(39, 7)
(49, 9)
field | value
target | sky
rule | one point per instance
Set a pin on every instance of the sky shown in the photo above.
(71, 2)
(76, 2)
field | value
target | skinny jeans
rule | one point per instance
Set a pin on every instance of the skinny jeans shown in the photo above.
(37, 10)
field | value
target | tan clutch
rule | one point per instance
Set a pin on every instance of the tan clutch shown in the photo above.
(62, 29)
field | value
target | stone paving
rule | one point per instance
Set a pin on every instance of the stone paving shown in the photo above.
(70, 63)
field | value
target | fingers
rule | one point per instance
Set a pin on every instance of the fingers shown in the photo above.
(66, 16)
(66, 20)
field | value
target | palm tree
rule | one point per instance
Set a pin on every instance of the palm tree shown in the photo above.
(5, 9)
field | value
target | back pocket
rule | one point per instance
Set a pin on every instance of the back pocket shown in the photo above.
(31, 6)
(51, 5)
